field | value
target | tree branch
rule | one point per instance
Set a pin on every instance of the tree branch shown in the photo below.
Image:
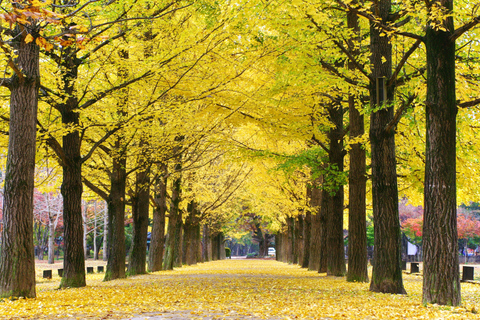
(398, 115)
(99, 142)
(466, 27)
(6, 82)
(54, 144)
(403, 61)
(103, 94)
(468, 104)
(95, 189)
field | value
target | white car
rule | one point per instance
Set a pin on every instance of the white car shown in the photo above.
(271, 252)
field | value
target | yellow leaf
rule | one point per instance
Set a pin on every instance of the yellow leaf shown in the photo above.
(41, 41)
(28, 38)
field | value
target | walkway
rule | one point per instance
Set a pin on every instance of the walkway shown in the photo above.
(233, 289)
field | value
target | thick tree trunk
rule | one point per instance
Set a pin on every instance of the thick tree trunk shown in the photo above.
(190, 234)
(173, 246)
(316, 226)
(155, 255)
(387, 268)
(335, 244)
(116, 218)
(72, 189)
(299, 232)
(325, 212)
(215, 247)
(441, 282)
(307, 236)
(278, 246)
(17, 267)
(140, 209)
(290, 239)
(221, 247)
(357, 223)
(198, 243)
(205, 241)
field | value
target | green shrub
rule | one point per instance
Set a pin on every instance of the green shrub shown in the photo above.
(228, 252)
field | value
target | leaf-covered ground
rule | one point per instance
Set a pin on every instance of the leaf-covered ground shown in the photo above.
(234, 289)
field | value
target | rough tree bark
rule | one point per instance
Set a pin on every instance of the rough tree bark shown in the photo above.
(306, 236)
(190, 243)
(116, 215)
(316, 226)
(155, 255)
(357, 223)
(387, 268)
(137, 259)
(17, 267)
(173, 246)
(299, 225)
(72, 188)
(335, 245)
(441, 283)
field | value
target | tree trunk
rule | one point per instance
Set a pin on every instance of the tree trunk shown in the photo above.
(278, 246)
(206, 252)
(299, 231)
(357, 222)
(190, 243)
(17, 267)
(140, 209)
(441, 283)
(307, 236)
(387, 268)
(325, 212)
(316, 226)
(116, 217)
(335, 243)
(290, 239)
(155, 255)
(173, 244)
(72, 189)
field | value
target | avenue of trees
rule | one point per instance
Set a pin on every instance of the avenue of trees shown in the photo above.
(202, 121)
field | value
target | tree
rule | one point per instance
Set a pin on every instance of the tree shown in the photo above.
(441, 282)
(467, 228)
(357, 224)
(17, 268)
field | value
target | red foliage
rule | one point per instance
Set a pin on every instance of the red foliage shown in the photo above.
(467, 227)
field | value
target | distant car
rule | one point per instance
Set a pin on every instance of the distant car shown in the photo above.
(271, 252)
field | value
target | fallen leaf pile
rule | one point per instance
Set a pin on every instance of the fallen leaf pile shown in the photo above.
(249, 288)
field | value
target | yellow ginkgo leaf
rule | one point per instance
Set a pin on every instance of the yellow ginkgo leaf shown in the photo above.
(28, 38)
